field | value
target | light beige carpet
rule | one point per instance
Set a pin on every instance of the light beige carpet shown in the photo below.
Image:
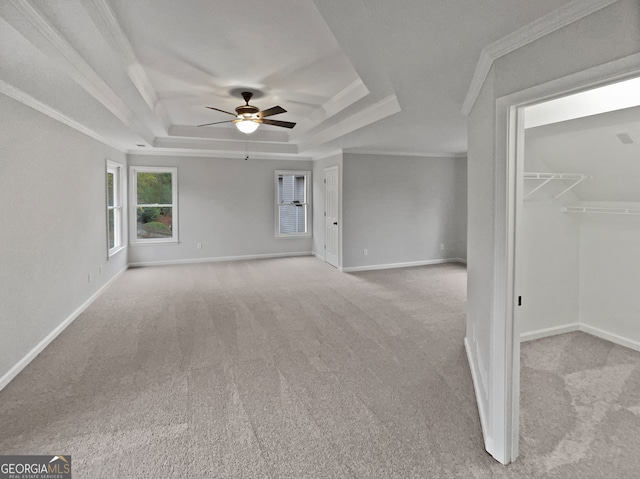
(289, 369)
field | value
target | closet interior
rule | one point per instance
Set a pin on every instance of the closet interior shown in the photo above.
(578, 245)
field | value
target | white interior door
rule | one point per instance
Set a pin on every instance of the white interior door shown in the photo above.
(331, 213)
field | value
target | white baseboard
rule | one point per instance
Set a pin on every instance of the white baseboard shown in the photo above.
(219, 258)
(585, 328)
(352, 269)
(543, 333)
(475, 378)
(30, 356)
(614, 338)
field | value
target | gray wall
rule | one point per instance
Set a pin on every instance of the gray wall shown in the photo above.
(318, 202)
(402, 208)
(52, 185)
(228, 205)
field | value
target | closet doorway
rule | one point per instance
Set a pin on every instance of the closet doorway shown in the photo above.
(577, 266)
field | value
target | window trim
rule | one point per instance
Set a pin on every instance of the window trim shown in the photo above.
(119, 201)
(307, 192)
(133, 222)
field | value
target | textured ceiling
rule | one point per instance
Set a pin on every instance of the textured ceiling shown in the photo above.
(360, 75)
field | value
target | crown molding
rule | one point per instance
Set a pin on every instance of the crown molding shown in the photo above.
(377, 111)
(32, 102)
(415, 154)
(128, 57)
(226, 145)
(559, 18)
(346, 97)
(327, 154)
(231, 134)
(51, 42)
(204, 153)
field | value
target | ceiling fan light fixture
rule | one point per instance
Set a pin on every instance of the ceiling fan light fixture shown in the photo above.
(247, 126)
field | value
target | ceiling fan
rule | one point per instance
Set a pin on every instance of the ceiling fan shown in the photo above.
(248, 117)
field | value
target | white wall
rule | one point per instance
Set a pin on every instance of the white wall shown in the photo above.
(401, 209)
(318, 202)
(52, 185)
(609, 34)
(548, 274)
(480, 248)
(548, 255)
(610, 275)
(459, 244)
(228, 205)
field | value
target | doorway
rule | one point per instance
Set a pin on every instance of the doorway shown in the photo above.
(555, 197)
(331, 215)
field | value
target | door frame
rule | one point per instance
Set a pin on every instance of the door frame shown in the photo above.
(509, 168)
(339, 215)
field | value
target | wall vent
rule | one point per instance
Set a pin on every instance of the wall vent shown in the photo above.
(624, 138)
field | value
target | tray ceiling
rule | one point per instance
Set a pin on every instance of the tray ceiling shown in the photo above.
(352, 75)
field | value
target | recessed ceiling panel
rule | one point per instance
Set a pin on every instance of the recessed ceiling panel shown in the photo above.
(196, 52)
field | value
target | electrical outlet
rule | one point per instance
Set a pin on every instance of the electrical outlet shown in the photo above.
(199, 245)
(100, 270)
(365, 252)
(441, 246)
(89, 278)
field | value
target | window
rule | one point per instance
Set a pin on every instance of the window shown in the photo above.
(154, 216)
(115, 181)
(292, 209)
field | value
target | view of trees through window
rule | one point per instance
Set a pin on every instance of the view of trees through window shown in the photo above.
(154, 204)
(110, 209)
(114, 207)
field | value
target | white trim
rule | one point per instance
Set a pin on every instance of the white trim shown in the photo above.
(32, 102)
(220, 259)
(508, 155)
(133, 204)
(353, 269)
(327, 154)
(475, 378)
(559, 18)
(187, 153)
(308, 194)
(229, 145)
(553, 331)
(120, 197)
(425, 154)
(585, 328)
(31, 355)
(129, 59)
(614, 338)
(377, 111)
(346, 97)
(69, 60)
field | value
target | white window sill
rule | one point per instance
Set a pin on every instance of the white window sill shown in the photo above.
(292, 236)
(153, 243)
(115, 251)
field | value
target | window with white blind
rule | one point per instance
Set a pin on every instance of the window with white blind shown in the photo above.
(292, 206)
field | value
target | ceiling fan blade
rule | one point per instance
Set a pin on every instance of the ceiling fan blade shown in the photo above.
(218, 109)
(283, 124)
(274, 110)
(217, 123)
